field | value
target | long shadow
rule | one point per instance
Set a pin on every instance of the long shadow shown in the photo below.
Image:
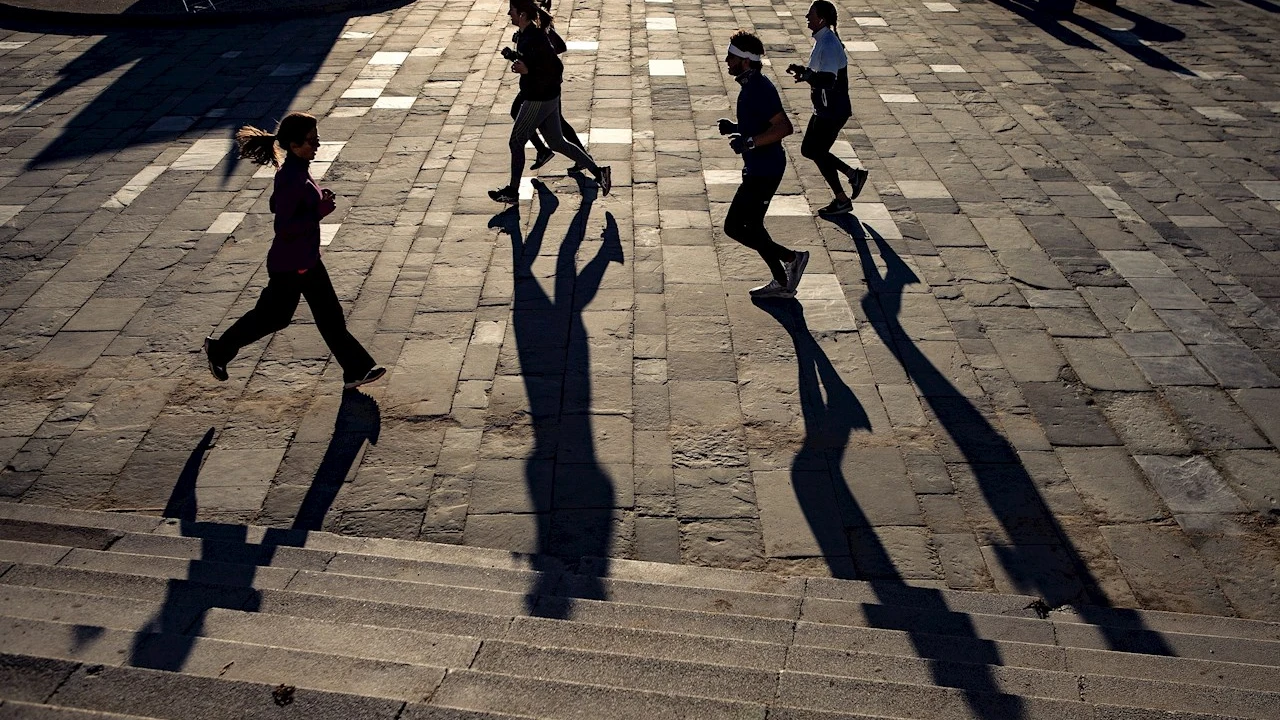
(1041, 559)
(572, 495)
(198, 79)
(223, 574)
(1144, 29)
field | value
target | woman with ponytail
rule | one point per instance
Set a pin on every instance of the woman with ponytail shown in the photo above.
(541, 74)
(542, 153)
(294, 267)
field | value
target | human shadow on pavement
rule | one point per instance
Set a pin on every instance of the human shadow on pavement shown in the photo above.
(573, 497)
(1132, 42)
(151, 86)
(1039, 559)
(831, 414)
(223, 573)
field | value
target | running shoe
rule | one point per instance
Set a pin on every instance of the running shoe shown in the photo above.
(836, 207)
(857, 180)
(219, 370)
(605, 178)
(773, 290)
(507, 195)
(795, 270)
(542, 159)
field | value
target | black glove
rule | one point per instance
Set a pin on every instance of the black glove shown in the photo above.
(727, 126)
(800, 72)
(739, 143)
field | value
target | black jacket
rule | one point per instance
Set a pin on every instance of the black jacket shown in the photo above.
(546, 72)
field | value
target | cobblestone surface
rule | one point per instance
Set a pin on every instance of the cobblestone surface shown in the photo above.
(1042, 357)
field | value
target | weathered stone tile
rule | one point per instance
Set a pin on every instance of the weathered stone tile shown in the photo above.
(1102, 364)
(1164, 570)
(1189, 484)
(1214, 422)
(1110, 485)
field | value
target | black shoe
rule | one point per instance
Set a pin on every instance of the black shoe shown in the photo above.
(542, 159)
(219, 370)
(373, 374)
(605, 178)
(507, 195)
(857, 180)
(836, 207)
(575, 168)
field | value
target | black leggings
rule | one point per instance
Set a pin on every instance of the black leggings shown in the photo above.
(275, 309)
(538, 146)
(745, 222)
(818, 139)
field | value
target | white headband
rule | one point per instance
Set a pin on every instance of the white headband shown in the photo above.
(735, 50)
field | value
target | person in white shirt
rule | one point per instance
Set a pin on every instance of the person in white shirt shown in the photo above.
(828, 76)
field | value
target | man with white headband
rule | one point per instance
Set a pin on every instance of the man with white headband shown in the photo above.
(757, 136)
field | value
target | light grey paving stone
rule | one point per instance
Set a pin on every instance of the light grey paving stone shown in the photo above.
(1110, 485)
(1029, 356)
(1189, 484)
(152, 692)
(921, 671)
(13, 710)
(1166, 293)
(1066, 417)
(1255, 475)
(1247, 568)
(1213, 420)
(1164, 570)
(470, 690)
(1151, 344)
(228, 660)
(1145, 424)
(1198, 327)
(1177, 370)
(1235, 366)
(1102, 364)
(900, 700)
(1262, 405)
(616, 669)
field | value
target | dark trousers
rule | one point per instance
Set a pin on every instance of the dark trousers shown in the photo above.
(818, 139)
(745, 222)
(538, 146)
(275, 309)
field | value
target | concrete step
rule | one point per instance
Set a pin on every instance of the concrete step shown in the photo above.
(207, 657)
(172, 696)
(14, 710)
(624, 580)
(237, 581)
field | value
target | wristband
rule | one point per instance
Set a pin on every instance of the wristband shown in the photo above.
(750, 143)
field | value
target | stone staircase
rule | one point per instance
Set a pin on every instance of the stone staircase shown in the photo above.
(124, 616)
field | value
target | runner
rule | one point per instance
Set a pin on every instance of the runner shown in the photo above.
(541, 74)
(828, 75)
(757, 136)
(542, 153)
(293, 262)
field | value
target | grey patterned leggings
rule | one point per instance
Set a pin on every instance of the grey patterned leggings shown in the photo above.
(543, 115)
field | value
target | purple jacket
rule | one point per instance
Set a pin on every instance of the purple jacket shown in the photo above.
(298, 205)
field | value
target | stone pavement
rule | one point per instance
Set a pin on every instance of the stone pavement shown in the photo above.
(1042, 358)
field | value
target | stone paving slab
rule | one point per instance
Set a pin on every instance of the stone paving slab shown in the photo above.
(1041, 357)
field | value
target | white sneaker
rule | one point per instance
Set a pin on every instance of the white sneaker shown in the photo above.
(795, 270)
(773, 290)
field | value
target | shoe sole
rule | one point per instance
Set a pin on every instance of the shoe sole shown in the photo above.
(832, 213)
(364, 381)
(538, 164)
(782, 294)
(504, 200)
